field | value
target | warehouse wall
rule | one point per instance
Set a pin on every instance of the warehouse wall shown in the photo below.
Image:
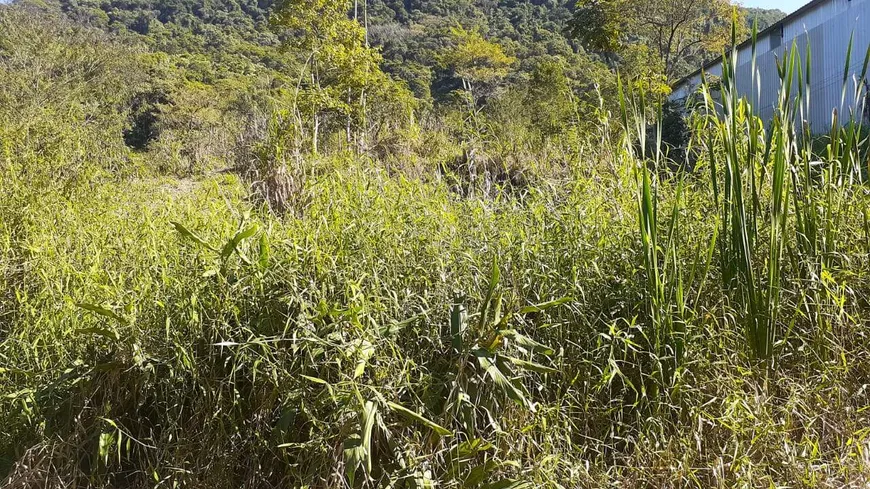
(826, 27)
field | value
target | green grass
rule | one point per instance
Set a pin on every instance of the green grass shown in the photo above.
(283, 364)
(617, 323)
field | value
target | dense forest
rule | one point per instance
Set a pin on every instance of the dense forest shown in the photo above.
(423, 243)
(215, 70)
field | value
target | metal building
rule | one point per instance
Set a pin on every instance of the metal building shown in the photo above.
(828, 26)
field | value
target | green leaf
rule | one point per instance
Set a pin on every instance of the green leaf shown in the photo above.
(102, 311)
(315, 380)
(422, 480)
(526, 342)
(369, 415)
(471, 448)
(480, 473)
(265, 252)
(107, 440)
(105, 333)
(354, 453)
(398, 408)
(494, 277)
(507, 484)
(15, 371)
(458, 325)
(544, 306)
(192, 236)
(535, 367)
(322, 382)
(500, 378)
(363, 351)
(233, 244)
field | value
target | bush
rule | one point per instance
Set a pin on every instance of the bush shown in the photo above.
(65, 96)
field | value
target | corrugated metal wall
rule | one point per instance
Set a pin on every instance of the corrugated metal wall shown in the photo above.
(828, 27)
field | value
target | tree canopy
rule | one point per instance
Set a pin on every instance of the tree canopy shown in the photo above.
(679, 34)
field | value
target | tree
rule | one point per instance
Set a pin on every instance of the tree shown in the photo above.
(597, 25)
(65, 95)
(681, 34)
(479, 63)
(764, 17)
(340, 65)
(548, 98)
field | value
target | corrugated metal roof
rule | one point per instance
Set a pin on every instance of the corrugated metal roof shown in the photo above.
(788, 18)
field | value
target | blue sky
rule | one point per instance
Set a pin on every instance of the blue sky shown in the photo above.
(787, 6)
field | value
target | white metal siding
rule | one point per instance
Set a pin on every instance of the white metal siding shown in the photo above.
(827, 28)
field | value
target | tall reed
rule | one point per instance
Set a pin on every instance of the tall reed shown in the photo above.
(664, 281)
(751, 161)
(747, 152)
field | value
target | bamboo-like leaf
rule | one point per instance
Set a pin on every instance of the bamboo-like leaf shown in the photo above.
(526, 342)
(354, 456)
(866, 65)
(708, 262)
(423, 480)
(105, 333)
(106, 441)
(322, 382)
(846, 66)
(190, 235)
(534, 367)
(315, 380)
(102, 311)
(545, 305)
(458, 325)
(499, 378)
(494, 277)
(848, 63)
(233, 244)
(363, 351)
(369, 416)
(265, 252)
(480, 473)
(508, 484)
(414, 416)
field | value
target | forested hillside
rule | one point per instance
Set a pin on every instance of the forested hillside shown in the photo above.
(233, 34)
(217, 66)
(765, 18)
(222, 39)
(423, 244)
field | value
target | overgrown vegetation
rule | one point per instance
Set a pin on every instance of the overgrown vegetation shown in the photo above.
(264, 267)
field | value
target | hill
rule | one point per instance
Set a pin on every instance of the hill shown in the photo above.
(765, 17)
(233, 36)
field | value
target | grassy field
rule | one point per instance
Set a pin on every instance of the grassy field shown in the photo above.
(158, 332)
(616, 323)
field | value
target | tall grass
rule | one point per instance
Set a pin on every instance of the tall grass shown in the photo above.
(665, 292)
(602, 328)
(758, 171)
